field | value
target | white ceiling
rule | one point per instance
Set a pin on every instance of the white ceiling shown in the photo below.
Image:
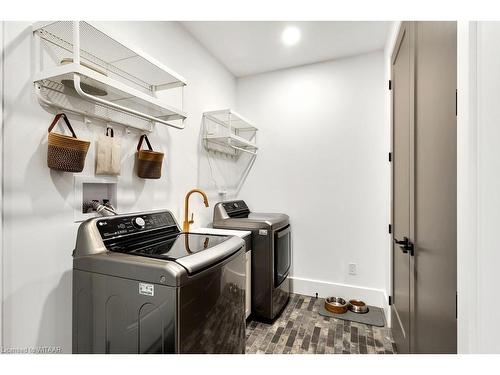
(248, 47)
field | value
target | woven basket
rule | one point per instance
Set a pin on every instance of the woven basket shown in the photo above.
(148, 162)
(65, 153)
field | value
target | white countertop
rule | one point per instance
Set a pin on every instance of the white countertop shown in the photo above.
(224, 232)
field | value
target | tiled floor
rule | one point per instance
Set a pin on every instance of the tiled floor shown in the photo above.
(300, 329)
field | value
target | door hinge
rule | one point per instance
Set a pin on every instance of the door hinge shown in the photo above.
(390, 300)
(456, 305)
(456, 102)
(390, 228)
(390, 157)
(390, 85)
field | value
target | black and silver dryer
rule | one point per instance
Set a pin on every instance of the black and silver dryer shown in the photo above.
(271, 254)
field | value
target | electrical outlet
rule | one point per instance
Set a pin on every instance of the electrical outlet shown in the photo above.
(353, 269)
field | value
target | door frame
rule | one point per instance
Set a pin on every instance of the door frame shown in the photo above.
(468, 335)
(410, 28)
(2, 101)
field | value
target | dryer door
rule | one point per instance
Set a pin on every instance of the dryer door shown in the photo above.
(282, 254)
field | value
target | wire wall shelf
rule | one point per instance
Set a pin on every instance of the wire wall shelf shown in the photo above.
(227, 132)
(84, 70)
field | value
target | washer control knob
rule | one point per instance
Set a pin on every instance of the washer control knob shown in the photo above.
(138, 222)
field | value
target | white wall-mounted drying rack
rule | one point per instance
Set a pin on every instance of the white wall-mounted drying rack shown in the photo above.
(228, 132)
(87, 71)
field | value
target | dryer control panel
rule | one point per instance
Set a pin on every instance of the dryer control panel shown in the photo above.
(236, 208)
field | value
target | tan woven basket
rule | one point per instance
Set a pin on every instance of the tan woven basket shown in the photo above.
(148, 162)
(65, 153)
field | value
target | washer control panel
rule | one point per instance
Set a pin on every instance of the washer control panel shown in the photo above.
(114, 226)
(139, 222)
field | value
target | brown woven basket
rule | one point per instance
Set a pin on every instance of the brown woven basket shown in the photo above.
(65, 153)
(148, 162)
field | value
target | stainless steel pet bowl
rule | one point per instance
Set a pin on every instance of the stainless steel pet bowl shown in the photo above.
(336, 305)
(357, 306)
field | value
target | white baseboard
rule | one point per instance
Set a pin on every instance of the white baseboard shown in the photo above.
(372, 296)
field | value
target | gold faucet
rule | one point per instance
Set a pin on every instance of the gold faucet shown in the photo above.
(187, 222)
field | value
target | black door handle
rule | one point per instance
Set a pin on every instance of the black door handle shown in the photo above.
(404, 242)
(406, 245)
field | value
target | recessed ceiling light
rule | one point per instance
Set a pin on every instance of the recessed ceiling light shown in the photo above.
(290, 36)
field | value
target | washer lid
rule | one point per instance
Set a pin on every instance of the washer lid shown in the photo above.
(192, 251)
(208, 257)
(172, 247)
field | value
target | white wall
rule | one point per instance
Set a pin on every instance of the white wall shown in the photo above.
(39, 232)
(323, 147)
(478, 186)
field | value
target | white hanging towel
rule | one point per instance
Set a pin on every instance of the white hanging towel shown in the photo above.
(108, 154)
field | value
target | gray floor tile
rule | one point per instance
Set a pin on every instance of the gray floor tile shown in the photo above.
(300, 329)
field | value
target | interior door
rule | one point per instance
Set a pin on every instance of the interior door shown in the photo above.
(424, 68)
(402, 139)
(434, 323)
